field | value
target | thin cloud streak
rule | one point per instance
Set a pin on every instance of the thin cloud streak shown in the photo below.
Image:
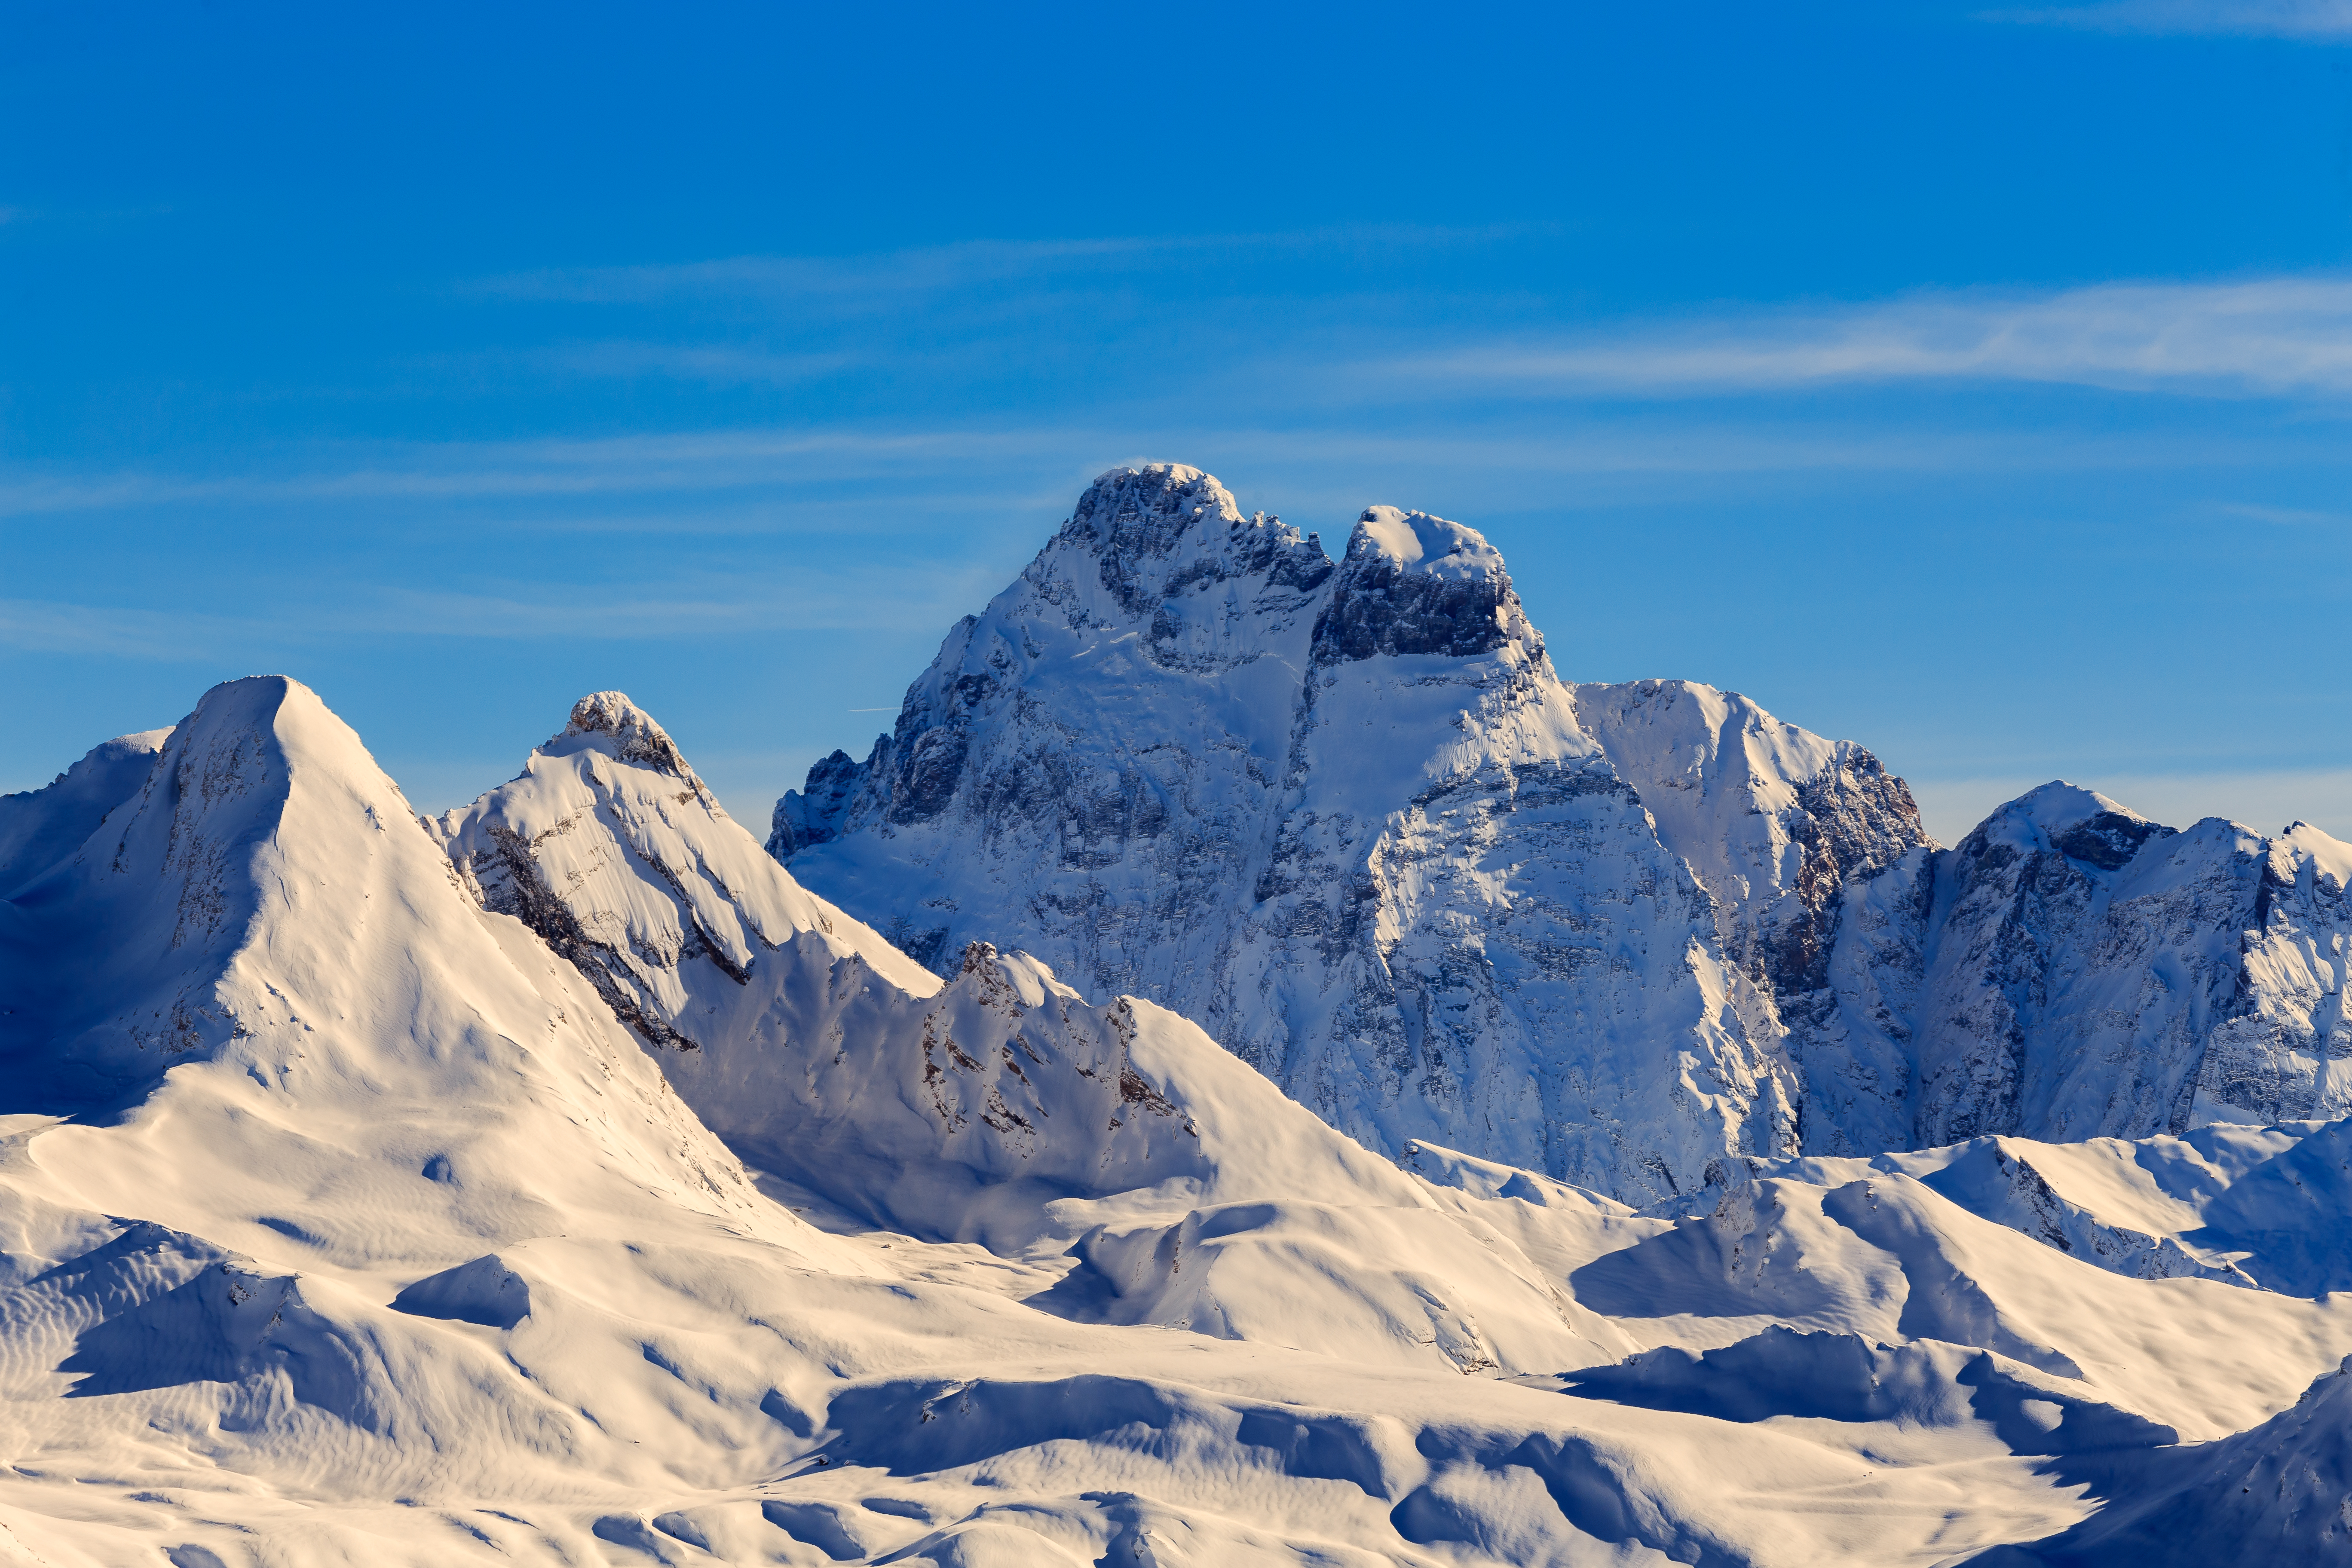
(2287, 335)
(920, 464)
(882, 599)
(935, 268)
(2327, 20)
(2288, 516)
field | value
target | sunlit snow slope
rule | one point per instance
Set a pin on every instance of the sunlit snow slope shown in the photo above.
(346, 1217)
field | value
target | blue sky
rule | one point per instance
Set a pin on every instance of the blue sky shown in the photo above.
(1976, 384)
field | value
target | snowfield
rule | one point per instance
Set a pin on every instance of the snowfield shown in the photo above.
(560, 1182)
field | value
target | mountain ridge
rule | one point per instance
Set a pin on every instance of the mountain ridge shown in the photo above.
(1328, 808)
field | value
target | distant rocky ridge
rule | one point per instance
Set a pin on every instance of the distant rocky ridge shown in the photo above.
(1348, 816)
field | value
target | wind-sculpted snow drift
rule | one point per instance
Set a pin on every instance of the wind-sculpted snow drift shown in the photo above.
(1349, 818)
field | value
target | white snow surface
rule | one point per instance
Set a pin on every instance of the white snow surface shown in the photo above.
(343, 1220)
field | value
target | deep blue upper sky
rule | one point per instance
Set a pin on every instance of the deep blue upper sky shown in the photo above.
(1973, 385)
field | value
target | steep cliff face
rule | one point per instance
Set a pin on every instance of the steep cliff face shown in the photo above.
(1344, 815)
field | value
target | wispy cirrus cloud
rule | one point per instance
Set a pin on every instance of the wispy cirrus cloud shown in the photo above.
(2316, 19)
(732, 482)
(963, 264)
(2280, 335)
(889, 595)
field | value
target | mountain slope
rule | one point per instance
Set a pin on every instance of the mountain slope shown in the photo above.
(1002, 1107)
(406, 1255)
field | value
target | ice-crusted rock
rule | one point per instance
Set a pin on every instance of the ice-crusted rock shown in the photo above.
(1344, 815)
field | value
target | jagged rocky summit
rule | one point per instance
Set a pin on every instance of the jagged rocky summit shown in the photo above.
(1349, 818)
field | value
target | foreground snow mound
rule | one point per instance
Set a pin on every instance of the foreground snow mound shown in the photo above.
(2278, 1493)
(2255, 1206)
(1345, 816)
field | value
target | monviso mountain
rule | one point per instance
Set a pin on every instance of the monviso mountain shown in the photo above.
(1349, 818)
(560, 1181)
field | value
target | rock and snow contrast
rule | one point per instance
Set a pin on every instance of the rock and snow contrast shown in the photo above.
(561, 1181)
(1347, 818)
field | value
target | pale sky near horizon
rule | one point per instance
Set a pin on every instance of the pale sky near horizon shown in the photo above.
(1973, 383)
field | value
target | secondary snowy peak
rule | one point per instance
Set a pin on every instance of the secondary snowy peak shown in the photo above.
(803, 1036)
(1343, 815)
(609, 723)
(42, 827)
(1774, 820)
(1778, 823)
(2080, 824)
(650, 887)
(1414, 584)
(260, 954)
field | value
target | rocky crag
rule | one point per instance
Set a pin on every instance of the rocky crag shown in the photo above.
(1348, 816)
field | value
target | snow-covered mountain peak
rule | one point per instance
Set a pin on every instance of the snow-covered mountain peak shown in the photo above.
(1417, 541)
(2081, 823)
(650, 888)
(1165, 533)
(1413, 584)
(1149, 508)
(42, 827)
(609, 723)
(2330, 855)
